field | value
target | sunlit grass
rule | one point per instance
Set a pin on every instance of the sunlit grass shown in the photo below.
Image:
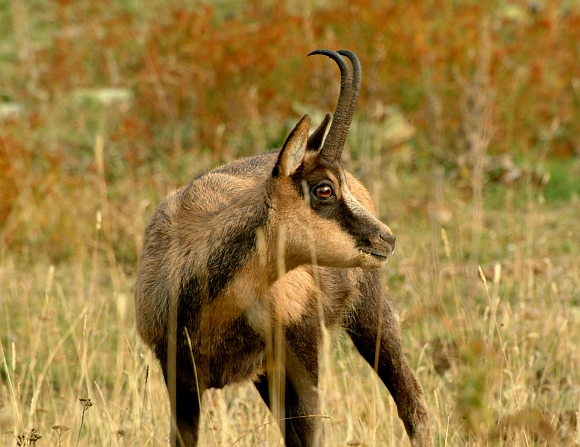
(497, 358)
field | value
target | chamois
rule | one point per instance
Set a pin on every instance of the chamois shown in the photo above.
(264, 252)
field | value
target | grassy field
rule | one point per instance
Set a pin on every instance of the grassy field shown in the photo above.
(467, 136)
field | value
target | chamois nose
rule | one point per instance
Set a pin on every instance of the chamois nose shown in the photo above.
(389, 238)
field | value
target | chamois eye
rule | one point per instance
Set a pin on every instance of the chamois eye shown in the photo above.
(324, 192)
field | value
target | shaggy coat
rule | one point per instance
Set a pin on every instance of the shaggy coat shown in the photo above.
(259, 254)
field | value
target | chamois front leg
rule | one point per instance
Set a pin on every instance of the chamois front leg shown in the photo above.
(185, 432)
(302, 426)
(185, 412)
(374, 319)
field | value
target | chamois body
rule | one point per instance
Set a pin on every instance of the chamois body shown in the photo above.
(239, 293)
(289, 239)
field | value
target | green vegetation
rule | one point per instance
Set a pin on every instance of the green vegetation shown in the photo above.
(467, 135)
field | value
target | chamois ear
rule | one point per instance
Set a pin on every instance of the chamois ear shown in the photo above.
(317, 138)
(293, 150)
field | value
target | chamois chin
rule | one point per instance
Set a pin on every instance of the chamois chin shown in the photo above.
(259, 254)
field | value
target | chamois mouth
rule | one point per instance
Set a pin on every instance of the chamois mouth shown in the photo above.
(375, 254)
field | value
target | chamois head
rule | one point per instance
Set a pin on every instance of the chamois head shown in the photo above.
(322, 220)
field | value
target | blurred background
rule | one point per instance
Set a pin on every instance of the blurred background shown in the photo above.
(467, 135)
(177, 87)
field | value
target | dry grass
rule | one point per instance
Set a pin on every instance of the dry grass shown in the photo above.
(486, 276)
(498, 358)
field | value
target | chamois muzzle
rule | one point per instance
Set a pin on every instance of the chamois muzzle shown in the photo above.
(382, 245)
(376, 243)
(390, 239)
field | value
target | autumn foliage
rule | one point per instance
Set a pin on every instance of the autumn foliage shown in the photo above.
(226, 81)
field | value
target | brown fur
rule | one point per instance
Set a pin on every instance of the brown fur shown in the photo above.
(250, 247)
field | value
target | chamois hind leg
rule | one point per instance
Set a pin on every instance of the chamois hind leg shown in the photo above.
(302, 424)
(373, 319)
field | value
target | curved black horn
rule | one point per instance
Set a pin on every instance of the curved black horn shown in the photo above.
(356, 85)
(336, 137)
